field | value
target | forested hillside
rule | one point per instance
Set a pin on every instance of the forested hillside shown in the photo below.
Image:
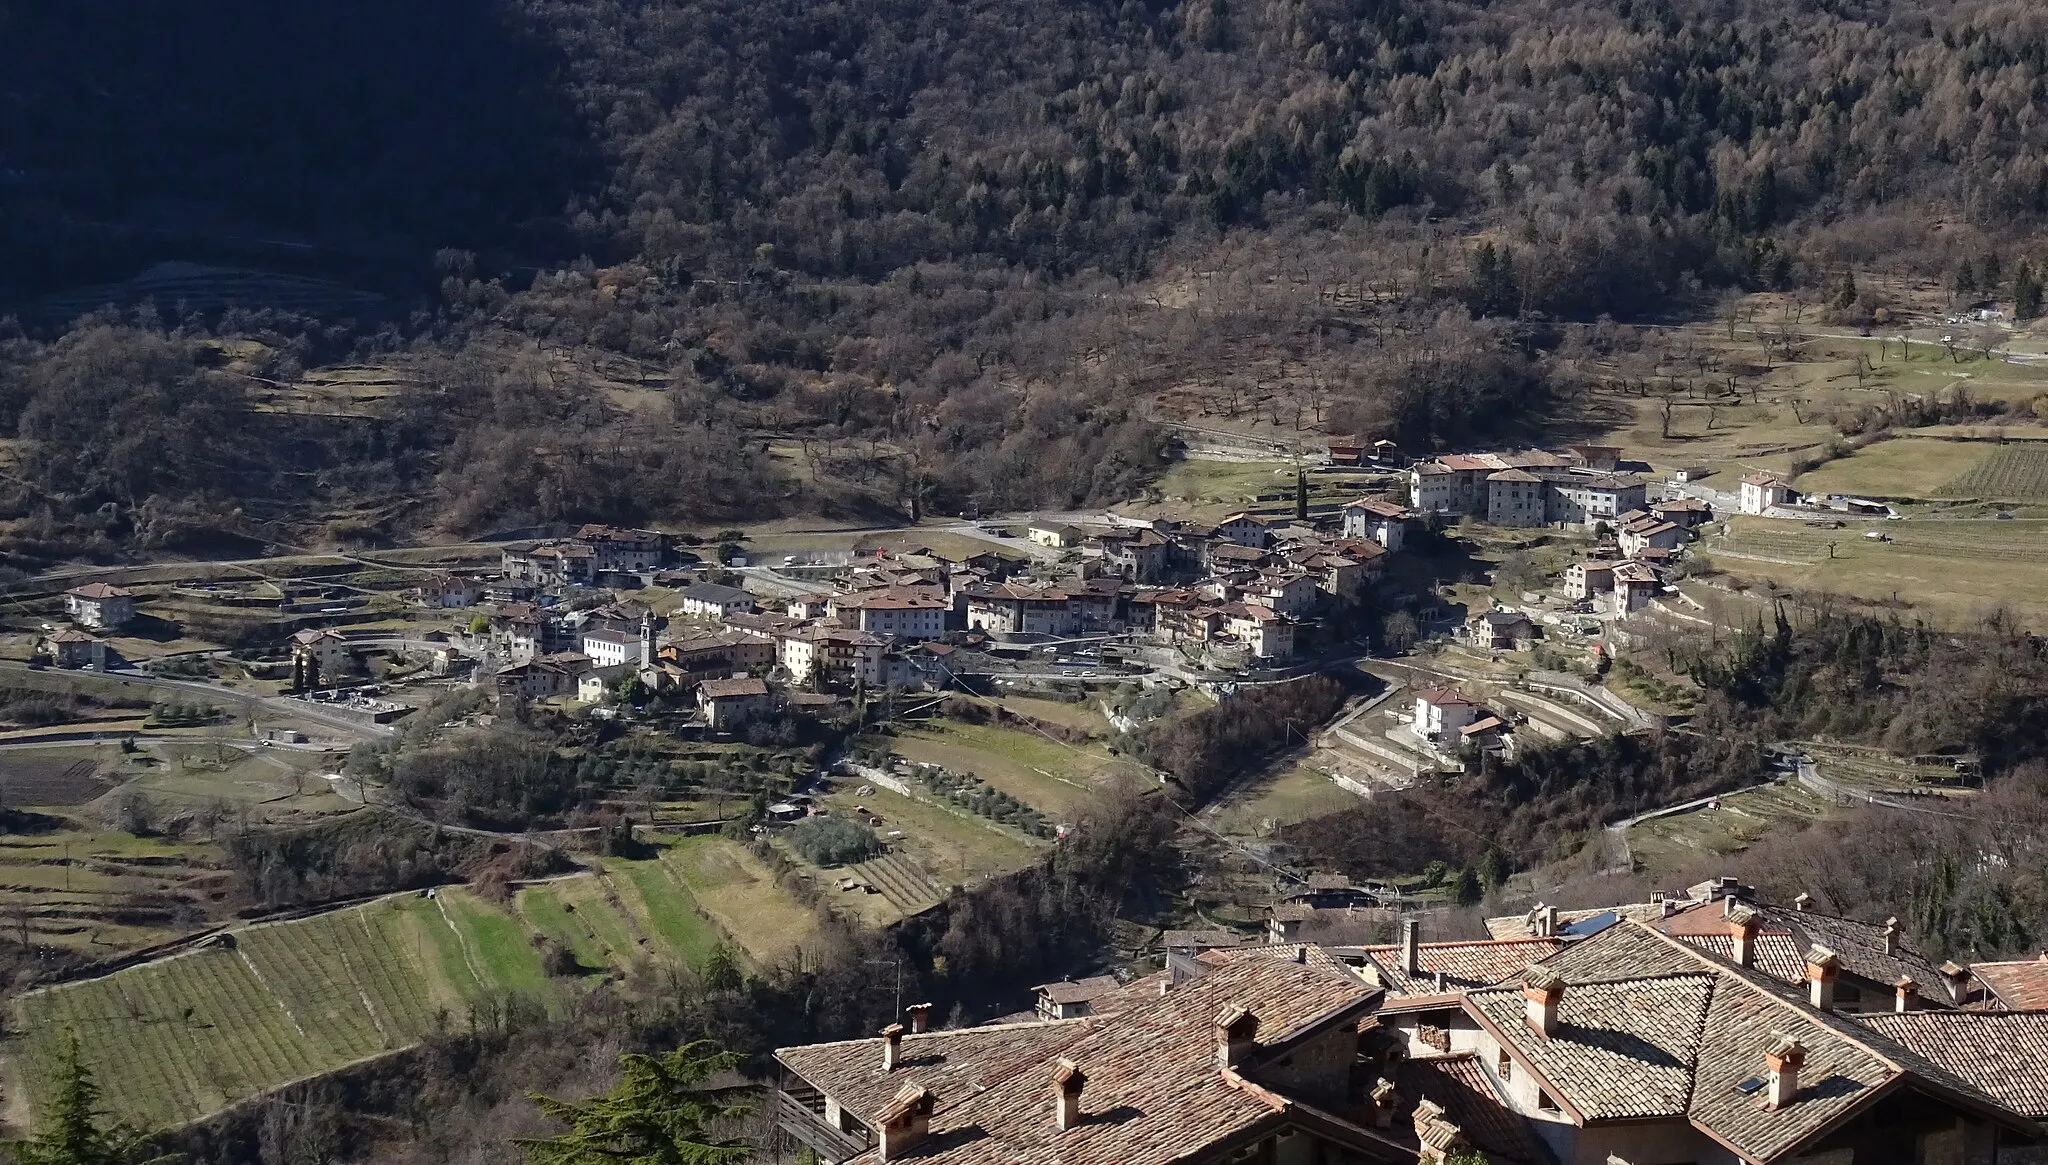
(956, 247)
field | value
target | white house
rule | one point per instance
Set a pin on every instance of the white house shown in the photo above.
(916, 615)
(324, 647)
(714, 601)
(1761, 492)
(1441, 712)
(1380, 520)
(1247, 530)
(608, 647)
(823, 651)
(1052, 535)
(98, 604)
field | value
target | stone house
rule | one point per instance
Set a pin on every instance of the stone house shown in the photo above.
(100, 605)
(731, 704)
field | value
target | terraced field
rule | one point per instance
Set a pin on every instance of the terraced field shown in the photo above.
(1670, 844)
(188, 1035)
(185, 1036)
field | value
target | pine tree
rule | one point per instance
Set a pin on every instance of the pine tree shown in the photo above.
(1845, 292)
(1467, 889)
(2026, 292)
(657, 1115)
(72, 1128)
(1301, 495)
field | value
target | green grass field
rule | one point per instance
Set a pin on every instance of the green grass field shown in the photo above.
(1904, 467)
(1053, 777)
(1955, 571)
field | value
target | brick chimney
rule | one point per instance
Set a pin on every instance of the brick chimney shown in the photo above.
(1542, 991)
(1907, 994)
(1742, 926)
(920, 1018)
(1823, 971)
(1237, 1033)
(1803, 903)
(1891, 936)
(892, 1046)
(905, 1122)
(1067, 1082)
(1781, 1071)
(1411, 945)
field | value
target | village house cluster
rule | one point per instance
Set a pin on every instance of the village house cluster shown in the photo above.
(1704, 1026)
(1589, 487)
(1245, 593)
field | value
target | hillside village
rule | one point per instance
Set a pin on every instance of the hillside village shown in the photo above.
(1250, 597)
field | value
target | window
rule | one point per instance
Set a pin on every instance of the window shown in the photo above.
(1506, 1065)
(1545, 1102)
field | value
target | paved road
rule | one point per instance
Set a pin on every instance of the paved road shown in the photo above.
(276, 705)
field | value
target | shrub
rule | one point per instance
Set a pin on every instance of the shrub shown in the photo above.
(833, 841)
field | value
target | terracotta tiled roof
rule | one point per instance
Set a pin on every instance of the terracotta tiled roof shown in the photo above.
(2004, 1053)
(1470, 463)
(953, 1064)
(99, 590)
(1442, 697)
(1622, 1050)
(1775, 953)
(1078, 990)
(1514, 475)
(2021, 986)
(1155, 1093)
(1786, 935)
(1460, 1087)
(1481, 963)
(1379, 506)
(733, 689)
(1524, 925)
(1742, 1013)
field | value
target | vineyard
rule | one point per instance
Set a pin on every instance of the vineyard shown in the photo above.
(256, 1008)
(2017, 473)
(898, 879)
(188, 1035)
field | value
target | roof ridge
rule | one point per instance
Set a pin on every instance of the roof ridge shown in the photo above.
(1699, 1041)
(1570, 983)
(945, 1031)
(1748, 977)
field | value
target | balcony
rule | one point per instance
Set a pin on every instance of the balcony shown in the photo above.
(799, 1110)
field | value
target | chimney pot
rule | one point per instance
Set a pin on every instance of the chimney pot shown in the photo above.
(1891, 936)
(1237, 1033)
(905, 1122)
(920, 1017)
(1804, 902)
(1067, 1082)
(1542, 991)
(892, 1046)
(1907, 994)
(1781, 1068)
(1823, 970)
(1742, 925)
(1958, 977)
(1546, 920)
(1411, 945)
